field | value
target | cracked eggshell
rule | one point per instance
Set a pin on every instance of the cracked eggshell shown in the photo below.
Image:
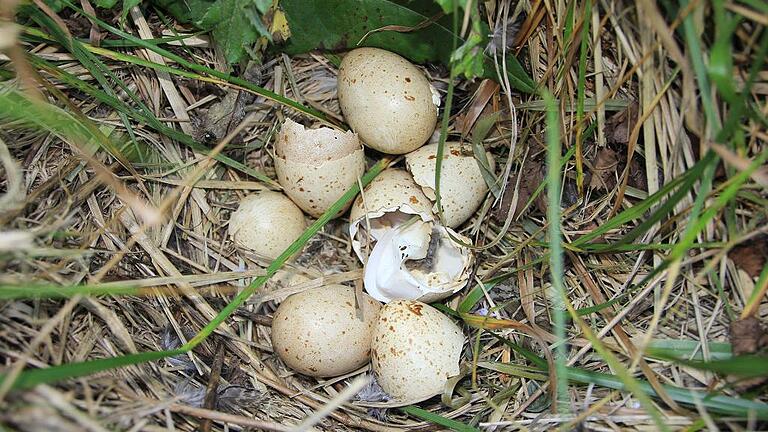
(266, 222)
(316, 166)
(415, 350)
(319, 333)
(462, 187)
(387, 100)
(390, 199)
(418, 261)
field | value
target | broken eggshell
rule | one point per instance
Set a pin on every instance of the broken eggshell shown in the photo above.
(462, 187)
(412, 256)
(387, 100)
(320, 332)
(266, 222)
(415, 349)
(316, 166)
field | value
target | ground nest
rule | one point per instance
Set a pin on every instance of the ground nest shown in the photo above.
(659, 282)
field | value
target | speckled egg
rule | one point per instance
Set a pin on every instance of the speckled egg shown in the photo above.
(316, 166)
(415, 350)
(462, 187)
(266, 222)
(320, 332)
(387, 100)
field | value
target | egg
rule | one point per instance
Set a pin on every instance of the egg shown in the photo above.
(316, 167)
(415, 349)
(462, 187)
(387, 100)
(267, 223)
(321, 333)
(412, 256)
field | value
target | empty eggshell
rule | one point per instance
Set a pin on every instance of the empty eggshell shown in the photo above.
(266, 222)
(316, 166)
(462, 187)
(320, 332)
(387, 100)
(415, 349)
(412, 257)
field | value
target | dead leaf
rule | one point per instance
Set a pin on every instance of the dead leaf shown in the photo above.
(485, 91)
(751, 256)
(604, 169)
(533, 174)
(619, 126)
(223, 117)
(748, 336)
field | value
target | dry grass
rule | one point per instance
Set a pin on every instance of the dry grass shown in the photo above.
(71, 214)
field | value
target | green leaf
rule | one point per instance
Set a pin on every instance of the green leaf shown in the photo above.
(188, 11)
(106, 4)
(337, 25)
(232, 24)
(262, 5)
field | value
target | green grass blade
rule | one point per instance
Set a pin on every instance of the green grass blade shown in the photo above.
(556, 249)
(687, 349)
(713, 402)
(31, 378)
(438, 419)
(745, 366)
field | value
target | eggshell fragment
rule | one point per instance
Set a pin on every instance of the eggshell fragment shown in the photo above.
(387, 100)
(316, 166)
(418, 261)
(415, 350)
(320, 332)
(266, 222)
(411, 256)
(462, 187)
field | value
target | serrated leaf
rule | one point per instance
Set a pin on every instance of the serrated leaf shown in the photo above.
(336, 25)
(231, 23)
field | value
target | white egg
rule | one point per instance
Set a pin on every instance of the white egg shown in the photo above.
(411, 256)
(415, 350)
(266, 222)
(316, 167)
(387, 100)
(320, 332)
(462, 187)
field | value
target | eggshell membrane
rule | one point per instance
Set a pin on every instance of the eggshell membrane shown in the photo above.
(415, 350)
(462, 187)
(316, 166)
(318, 332)
(388, 200)
(387, 100)
(266, 222)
